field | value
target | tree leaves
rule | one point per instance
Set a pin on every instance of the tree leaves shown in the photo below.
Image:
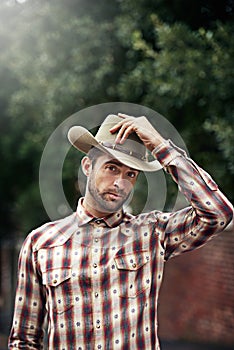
(59, 57)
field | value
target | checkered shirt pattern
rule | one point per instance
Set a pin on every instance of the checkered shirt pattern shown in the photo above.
(96, 281)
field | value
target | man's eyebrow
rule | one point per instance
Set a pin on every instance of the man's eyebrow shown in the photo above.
(116, 162)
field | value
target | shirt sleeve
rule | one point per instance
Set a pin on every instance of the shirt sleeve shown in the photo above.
(209, 211)
(29, 312)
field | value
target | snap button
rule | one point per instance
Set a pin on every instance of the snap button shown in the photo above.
(55, 281)
(94, 265)
(134, 265)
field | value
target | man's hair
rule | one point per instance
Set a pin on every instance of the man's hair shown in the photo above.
(94, 153)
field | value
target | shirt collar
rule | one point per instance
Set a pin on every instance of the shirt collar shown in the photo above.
(85, 217)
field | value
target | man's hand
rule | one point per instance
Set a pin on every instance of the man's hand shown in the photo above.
(141, 126)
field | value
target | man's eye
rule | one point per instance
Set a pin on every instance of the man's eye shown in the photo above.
(112, 168)
(132, 175)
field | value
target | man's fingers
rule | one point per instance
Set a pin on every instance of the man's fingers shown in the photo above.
(116, 127)
(125, 118)
(123, 115)
(124, 128)
(126, 133)
(121, 135)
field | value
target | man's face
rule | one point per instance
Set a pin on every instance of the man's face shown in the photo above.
(109, 184)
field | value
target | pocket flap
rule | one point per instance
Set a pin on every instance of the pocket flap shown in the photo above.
(132, 261)
(56, 276)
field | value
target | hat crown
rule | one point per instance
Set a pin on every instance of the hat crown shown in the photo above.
(132, 145)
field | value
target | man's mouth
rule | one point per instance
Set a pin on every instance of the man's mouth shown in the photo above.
(113, 195)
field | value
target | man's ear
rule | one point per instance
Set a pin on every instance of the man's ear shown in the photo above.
(86, 165)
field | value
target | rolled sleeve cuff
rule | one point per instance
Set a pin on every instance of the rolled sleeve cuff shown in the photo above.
(166, 152)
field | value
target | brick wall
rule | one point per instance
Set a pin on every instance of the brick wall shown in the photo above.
(197, 296)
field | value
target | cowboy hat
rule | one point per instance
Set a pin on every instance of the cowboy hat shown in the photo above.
(132, 153)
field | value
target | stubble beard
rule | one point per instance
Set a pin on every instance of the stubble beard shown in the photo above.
(103, 204)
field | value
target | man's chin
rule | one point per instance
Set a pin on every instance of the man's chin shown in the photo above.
(111, 206)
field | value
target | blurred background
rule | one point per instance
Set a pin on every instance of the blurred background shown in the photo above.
(174, 56)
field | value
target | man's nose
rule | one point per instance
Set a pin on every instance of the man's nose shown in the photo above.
(121, 183)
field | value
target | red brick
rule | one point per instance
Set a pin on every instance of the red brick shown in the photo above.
(197, 296)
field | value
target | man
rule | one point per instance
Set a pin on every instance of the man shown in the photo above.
(95, 275)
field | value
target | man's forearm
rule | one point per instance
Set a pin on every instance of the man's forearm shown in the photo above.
(27, 332)
(210, 205)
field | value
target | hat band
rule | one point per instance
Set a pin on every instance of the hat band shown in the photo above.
(119, 148)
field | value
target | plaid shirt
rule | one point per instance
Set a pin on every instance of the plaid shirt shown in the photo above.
(96, 281)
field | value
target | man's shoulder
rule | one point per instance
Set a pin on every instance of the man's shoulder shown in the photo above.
(53, 233)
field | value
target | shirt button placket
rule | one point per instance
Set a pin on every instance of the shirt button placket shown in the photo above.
(95, 266)
(96, 306)
(96, 235)
(96, 292)
(98, 335)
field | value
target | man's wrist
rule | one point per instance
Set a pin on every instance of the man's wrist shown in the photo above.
(166, 152)
(156, 143)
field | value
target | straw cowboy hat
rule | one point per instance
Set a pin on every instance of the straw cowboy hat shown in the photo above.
(132, 153)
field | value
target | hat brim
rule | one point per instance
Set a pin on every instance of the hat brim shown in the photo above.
(83, 140)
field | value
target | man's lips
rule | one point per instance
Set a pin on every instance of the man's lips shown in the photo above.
(114, 195)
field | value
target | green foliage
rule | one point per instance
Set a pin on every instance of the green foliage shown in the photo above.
(59, 57)
(57, 68)
(188, 77)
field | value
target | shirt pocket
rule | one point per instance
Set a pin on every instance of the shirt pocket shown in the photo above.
(59, 286)
(134, 273)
